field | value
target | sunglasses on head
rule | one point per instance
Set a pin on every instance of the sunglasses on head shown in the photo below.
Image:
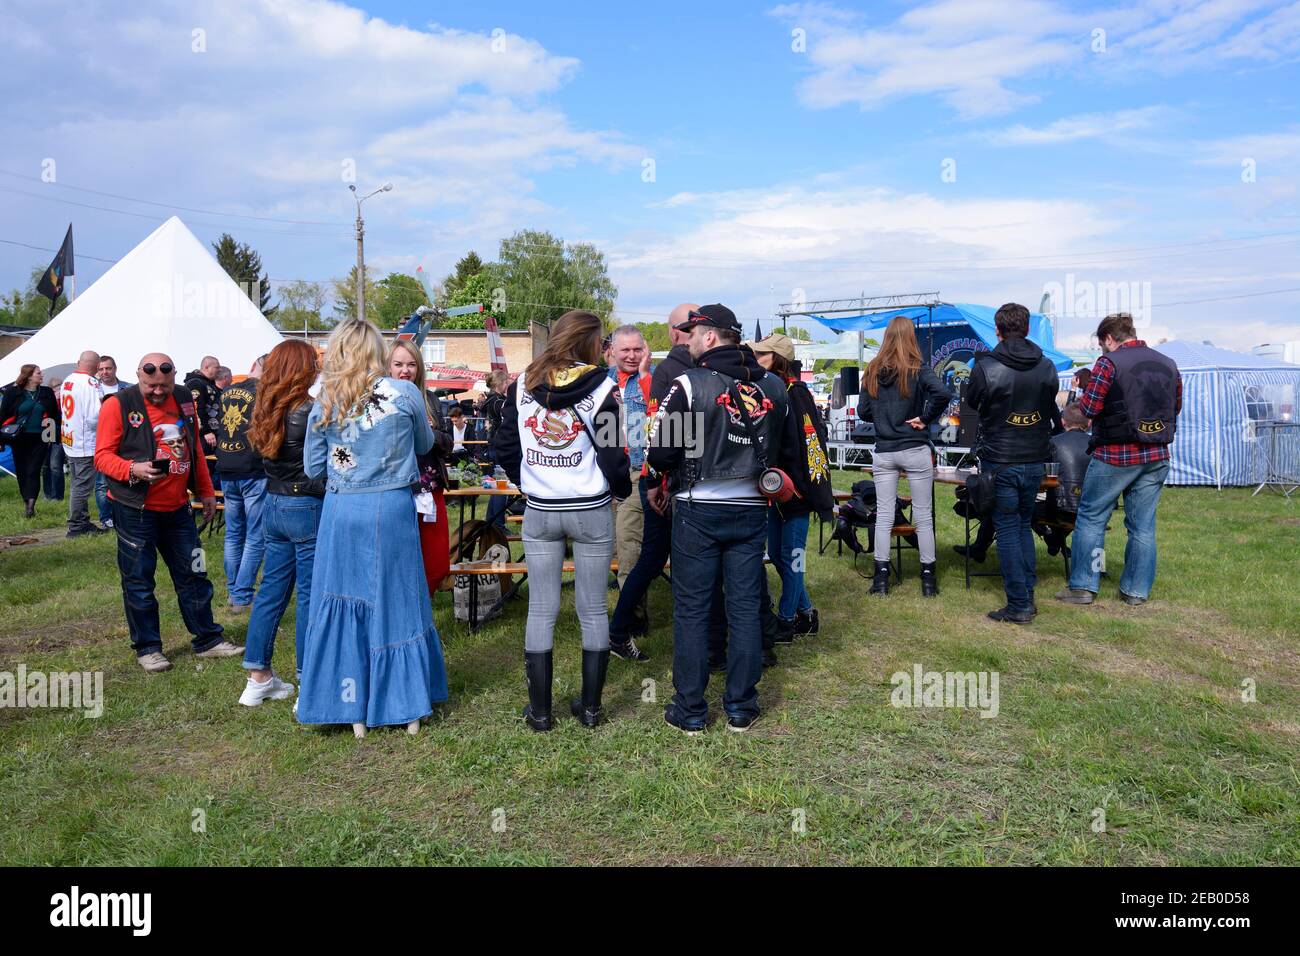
(150, 369)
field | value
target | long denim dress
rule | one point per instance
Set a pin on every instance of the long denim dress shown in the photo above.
(373, 655)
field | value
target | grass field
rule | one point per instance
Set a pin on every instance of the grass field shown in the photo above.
(1137, 712)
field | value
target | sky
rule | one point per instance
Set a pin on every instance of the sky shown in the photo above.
(1142, 155)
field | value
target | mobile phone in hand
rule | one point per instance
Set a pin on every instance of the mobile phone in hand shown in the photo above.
(163, 465)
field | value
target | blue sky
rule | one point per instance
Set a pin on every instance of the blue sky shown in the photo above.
(798, 150)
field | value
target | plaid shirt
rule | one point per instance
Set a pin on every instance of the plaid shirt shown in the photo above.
(1122, 454)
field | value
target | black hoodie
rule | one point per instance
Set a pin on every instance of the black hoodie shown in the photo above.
(1014, 390)
(561, 395)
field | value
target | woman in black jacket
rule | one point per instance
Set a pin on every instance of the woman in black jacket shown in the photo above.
(903, 397)
(290, 516)
(803, 458)
(34, 409)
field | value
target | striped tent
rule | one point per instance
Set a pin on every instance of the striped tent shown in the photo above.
(1225, 395)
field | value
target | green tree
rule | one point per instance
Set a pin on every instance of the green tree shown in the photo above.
(543, 278)
(243, 264)
(27, 308)
(482, 288)
(469, 265)
(399, 296)
(345, 295)
(301, 305)
(656, 335)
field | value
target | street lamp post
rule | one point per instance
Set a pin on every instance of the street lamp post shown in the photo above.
(361, 254)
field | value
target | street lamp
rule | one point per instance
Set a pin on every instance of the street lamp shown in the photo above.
(361, 255)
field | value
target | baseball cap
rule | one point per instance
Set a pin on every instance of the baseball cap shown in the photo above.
(714, 316)
(778, 343)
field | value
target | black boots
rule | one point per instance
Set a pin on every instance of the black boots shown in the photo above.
(784, 630)
(538, 673)
(805, 622)
(594, 666)
(880, 583)
(929, 580)
(31, 508)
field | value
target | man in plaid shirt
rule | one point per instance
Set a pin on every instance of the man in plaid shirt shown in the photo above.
(1133, 398)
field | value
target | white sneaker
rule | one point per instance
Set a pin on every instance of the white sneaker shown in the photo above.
(154, 662)
(271, 689)
(224, 649)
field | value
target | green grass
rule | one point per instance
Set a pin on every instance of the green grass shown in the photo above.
(1137, 710)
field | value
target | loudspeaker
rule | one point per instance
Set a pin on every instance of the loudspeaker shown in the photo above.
(849, 380)
(968, 426)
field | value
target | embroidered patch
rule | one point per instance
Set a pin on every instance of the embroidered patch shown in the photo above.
(556, 429)
(136, 419)
(378, 404)
(341, 458)
(1024, 419)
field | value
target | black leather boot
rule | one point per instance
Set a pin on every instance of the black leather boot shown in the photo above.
(538, 673)
(594, 666)
(805, 622)
(929, 580)
(31, 508)
(880, 583)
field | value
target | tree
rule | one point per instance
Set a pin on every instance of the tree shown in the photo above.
(656, 335)
(399, 296)
(243, 264)
(469, 265)
(543, 278)
(482, 288)
(28, 308)
(300, 307)
(345, 295)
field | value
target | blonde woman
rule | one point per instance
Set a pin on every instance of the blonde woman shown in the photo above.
(407, 364)
(373, 657)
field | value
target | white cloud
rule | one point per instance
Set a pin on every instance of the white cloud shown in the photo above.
(1082, 126)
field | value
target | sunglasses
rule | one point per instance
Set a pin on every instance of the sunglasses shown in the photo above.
(150, 369)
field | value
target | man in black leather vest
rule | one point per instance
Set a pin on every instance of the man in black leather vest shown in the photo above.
(718, 427)
(1013, 388)
(1070, 453)
(1133, 397)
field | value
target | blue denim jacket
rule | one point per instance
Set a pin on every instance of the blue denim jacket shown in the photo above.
(635, 410)
(375, 450)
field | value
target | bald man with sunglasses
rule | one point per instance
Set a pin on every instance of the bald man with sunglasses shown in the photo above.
(148, 446)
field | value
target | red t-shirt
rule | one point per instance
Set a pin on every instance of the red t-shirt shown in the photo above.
(172, 441)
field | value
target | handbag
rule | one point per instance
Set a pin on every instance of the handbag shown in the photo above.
(981, 492)
(9, 431)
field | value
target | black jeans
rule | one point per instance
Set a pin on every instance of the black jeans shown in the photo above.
(656, 542)
(712, 543)
(29, 456)
(143, 535)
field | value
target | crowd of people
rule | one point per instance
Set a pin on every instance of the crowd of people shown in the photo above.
(715, 458)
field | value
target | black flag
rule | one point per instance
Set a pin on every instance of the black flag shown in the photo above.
(51, 284)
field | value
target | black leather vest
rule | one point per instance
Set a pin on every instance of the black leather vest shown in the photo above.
(724, 447)
(1140, 404)
(284, 472)
(1016, 421)
(138, 443)
(1070, 451)
(235, 454)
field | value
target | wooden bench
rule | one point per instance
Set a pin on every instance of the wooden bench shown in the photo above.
(218, 518)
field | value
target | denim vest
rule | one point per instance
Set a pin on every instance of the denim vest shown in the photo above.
(635, 410)
(374, 450)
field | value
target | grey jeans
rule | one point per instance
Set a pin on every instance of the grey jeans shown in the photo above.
(82, 480)
(592, 533)
(917, 464)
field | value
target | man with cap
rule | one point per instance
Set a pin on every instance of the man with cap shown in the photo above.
(719, 427)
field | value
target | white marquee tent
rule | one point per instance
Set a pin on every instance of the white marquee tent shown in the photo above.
(166, 295)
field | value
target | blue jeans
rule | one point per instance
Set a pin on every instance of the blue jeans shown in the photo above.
(1102, 485)
(52, 476)
(496, 511)
(289, 524)
(785, 537)
(711, 543)
(656, 542)
(143, 535)
(101, 498)
(1013, 519)
(244, 546)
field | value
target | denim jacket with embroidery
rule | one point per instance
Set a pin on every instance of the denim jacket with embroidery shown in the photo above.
(375, 449)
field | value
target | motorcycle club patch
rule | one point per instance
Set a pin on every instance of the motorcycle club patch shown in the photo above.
(136, 419)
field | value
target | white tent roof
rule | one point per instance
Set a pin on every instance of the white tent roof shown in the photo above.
(166, 295)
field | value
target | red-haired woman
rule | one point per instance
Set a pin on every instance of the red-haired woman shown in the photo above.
(291, 514)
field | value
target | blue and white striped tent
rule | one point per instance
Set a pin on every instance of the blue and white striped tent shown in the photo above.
(1225, 394)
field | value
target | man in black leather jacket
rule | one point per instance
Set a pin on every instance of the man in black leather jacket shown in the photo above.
(1070, 453)
(1013, 388)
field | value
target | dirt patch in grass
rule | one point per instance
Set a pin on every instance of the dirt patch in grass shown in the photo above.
(58, 636)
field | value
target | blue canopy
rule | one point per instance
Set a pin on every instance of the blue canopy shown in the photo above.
(978, 317)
